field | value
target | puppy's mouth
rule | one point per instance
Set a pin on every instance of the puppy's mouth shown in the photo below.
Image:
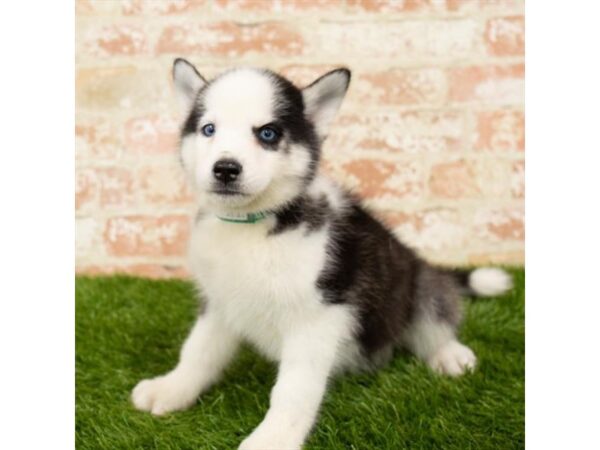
(228, 191)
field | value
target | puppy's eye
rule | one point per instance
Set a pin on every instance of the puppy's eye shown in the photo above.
(208, 130)
(268, 135)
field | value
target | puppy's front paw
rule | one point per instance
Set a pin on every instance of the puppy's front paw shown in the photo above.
(163, 394)
(453, 359)
(268, 438)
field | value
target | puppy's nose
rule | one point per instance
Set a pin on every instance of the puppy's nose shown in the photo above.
(227, 170)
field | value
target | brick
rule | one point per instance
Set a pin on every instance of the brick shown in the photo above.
(391, 133)
(156, 271)
(160, 7)
(419, 123)
(404, 41)
(86, 188)
(501, 224)
(231, 39)
(100, 89)
(434, 229)
(502, 5)
(473, 6)
(493, 176)
(164, 184)
(114, 40)
(470, 178)
(96, 7)
(116, 187)
(402, 87)
(517, 179)
(88, 238)
(375, 178)
(276, 6)
(152, 135)
(96, 138)
(396, 6)
(501, 84)
(83, 7)
(462, 6)
(387, 139)
(147, 235)
(455, 179)
(500, 131)
(396, 132)
(505, 36)
(109, 187)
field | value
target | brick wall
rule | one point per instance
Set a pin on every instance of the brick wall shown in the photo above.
(431, 132)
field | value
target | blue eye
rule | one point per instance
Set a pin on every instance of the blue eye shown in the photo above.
(208, 130)
(268, 135)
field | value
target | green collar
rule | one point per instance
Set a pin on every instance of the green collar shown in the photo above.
(244, 218)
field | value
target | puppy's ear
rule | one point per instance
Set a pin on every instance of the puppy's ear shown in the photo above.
(187, 82)
(323, 97)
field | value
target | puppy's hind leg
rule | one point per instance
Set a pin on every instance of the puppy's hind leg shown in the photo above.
(431, 335)
(435, 342)
(206, 352)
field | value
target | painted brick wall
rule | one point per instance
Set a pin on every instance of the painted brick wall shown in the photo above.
(431, 132)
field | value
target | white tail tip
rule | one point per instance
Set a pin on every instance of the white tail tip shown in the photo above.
(489, 281)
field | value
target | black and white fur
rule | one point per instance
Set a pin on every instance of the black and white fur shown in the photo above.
(319, 285)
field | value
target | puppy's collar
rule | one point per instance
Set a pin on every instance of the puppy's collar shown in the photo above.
(243, 218)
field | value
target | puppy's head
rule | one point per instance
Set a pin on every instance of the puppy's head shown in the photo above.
(251, 139)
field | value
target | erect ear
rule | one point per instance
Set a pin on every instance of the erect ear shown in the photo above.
(188, 82)
(323, 97)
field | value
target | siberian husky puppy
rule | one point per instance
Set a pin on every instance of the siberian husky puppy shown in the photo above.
(290, 262)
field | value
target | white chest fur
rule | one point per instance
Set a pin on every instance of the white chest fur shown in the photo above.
(261, 285)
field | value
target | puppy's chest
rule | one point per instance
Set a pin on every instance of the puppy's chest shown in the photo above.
(262, 284)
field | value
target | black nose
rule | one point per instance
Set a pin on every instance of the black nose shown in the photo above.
(227, 170)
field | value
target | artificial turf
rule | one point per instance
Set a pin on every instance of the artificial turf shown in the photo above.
(129, 328)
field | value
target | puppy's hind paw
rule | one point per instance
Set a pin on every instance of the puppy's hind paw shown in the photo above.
(453, 359)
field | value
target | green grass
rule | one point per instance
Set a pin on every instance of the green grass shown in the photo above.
(131, 328)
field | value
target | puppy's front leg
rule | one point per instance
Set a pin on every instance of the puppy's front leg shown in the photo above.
(308, 357)
(205, 353)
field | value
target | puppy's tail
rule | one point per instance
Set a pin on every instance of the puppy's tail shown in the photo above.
(483, 282)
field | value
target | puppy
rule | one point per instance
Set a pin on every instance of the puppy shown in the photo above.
(291, 263)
